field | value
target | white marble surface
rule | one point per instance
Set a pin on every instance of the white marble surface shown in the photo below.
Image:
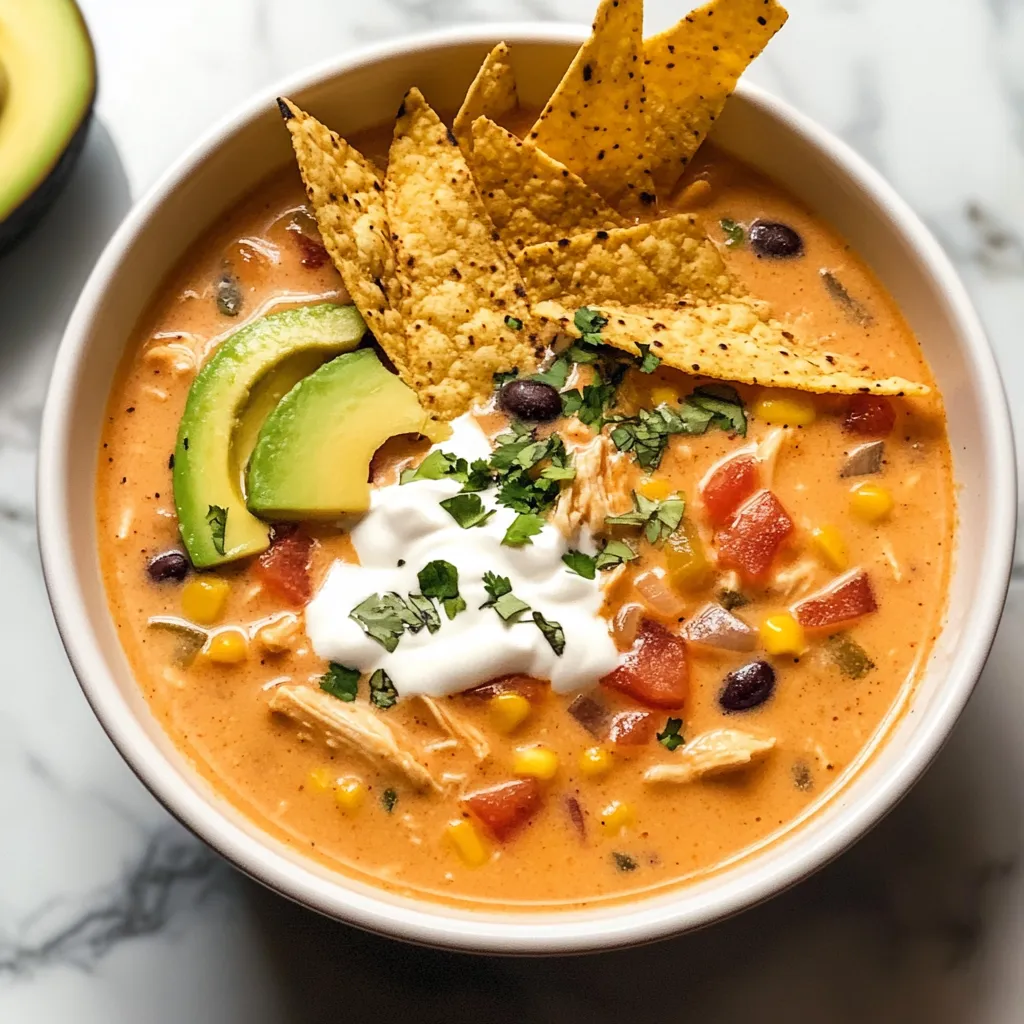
(111, 912)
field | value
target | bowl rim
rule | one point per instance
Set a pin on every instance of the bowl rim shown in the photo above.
(606, 926)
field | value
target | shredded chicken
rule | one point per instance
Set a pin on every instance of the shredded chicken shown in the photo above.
(173, 358)
(599, 490)
(280, 635)
(796, 580)
(711, 753)
(768, 452)
(458, 728)
(353, 727)
(890, 557)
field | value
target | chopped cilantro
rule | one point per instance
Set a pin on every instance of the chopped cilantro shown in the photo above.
(388, 799)
(504, 376)
(513, 323)
(580, 563)
(647, 361)
(850, 658)
(384, 618)
(730, 599)
(724, 402)
(501, 598)
(553, 632)
(217, 519)
(436, 466)
(479, 477)
(658, 519)
(340, 681)
(556, 374)
(440, 579)
(589, 321)
(558, 473)
(734, 233)
(467, 510)
(670, 737)
(522, 493)
(614, 553)
(623, 861)
(525, 526)
(425, 612)
(382, 691)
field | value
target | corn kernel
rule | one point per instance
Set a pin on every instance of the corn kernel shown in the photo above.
(831, 546)
(786, 408)
(203, 600)
(664, 395)
(616, 816)
(782, 634)
(655, 488)
(539, 762)
(508, 711)
(595, 761)
(349, 794)
(686, 562)
(320, 779)
(228, 647)
(871, 502)
(464, 837)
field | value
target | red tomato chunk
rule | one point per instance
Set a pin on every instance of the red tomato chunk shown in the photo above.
(869, 416)
(728, 487)
(654, 671)
(505, 808)
(632, 728)
(751, 541)
(846, 599)
(284, 567)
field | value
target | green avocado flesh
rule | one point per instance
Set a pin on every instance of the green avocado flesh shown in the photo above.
(313, 455)
(241, 383)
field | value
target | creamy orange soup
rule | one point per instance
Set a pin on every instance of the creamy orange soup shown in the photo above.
(587, 825)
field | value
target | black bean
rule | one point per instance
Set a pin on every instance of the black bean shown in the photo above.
(531, 400)
(747, 687)
(777, 241)
(171, 565)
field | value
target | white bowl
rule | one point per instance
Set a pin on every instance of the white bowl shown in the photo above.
(363, 89)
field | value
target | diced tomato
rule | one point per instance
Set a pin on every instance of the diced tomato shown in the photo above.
(505, 808)
(284, 567)
(728, 487)
(848, 598)
(869, 416)
(633, 728)
(654, 671)
(751, 541)
(527, 686)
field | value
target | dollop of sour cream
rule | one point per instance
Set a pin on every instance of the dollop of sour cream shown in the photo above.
(404, 529)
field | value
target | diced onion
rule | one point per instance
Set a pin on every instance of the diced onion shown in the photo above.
(658, 595)
(626, 623)
(713, 626)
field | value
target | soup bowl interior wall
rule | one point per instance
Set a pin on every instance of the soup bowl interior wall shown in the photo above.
(361, 91)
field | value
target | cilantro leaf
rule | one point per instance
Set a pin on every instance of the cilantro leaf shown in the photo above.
(439, 579)
(647, 361)
(501, 598)
(513, 323)
(614, 553)
(724, 402)
(217, 519)
(453, 605)
(495, 586)
(558, 473)
(734, 233)
(383, 694)
(730, 599)
(581, 564)
(425, 612)
(556, 374)
(384, 618)
(623, 861)
(553, 632)
(467, 510)
(658, 519)
(588, 320)
(479, 477)
(436, 466)
(670, 737)
(525, 526)
(340, 681)
(388, 799)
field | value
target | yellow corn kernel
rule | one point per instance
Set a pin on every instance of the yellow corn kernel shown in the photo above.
(203, 600)
(831, 546)
(686, 562)
(785, 408)
(349, 794)
(228, 647)
(320, 779)
(615, 817)
(508, 711)
(655, 488)
(595, 761)
(782, 634)
(462, 834)
(539, 762)
(664, 395)
(871, 502)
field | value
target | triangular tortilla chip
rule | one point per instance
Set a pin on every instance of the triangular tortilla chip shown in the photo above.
(691, 69)
(531, 197)
(732, 341)
(492, 94)
(348, 200)
(594, 121)
(464, 305)
(647, 264)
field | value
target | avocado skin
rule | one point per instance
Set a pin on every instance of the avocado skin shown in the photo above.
(313, 455)
(205, 473)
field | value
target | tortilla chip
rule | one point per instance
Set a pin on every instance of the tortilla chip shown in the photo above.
(492, 94)
(531, 197)
(348, 200)
(732, 341)
(459, 284)
(690, 70)
(594, 122)
(648, 264)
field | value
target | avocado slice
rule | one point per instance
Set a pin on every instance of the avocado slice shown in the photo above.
(313, 455)
(47, 89)
(208, 473)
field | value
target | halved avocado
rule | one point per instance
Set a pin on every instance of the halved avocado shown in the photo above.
(47, 89)
(212, 517)
(313, 455)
